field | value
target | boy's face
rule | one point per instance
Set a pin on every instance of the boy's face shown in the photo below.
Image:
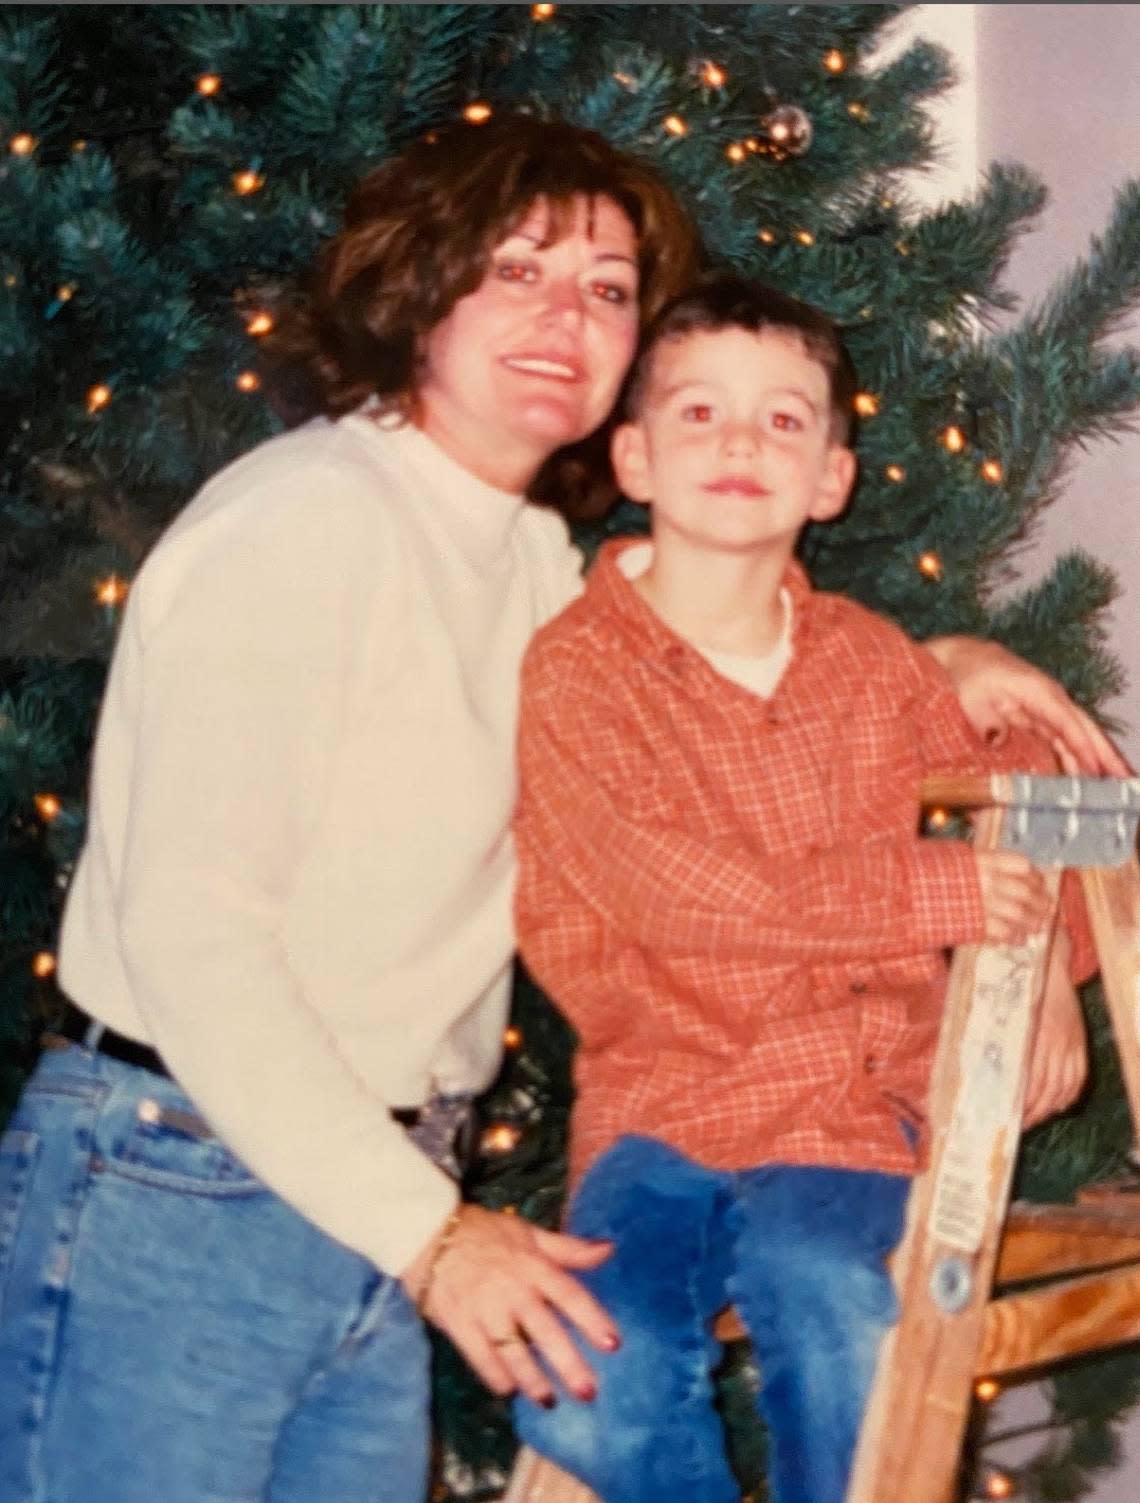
(733, 444)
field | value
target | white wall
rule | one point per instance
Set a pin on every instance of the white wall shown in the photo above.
(1055, 87)
(954, 27)
(1057, 90)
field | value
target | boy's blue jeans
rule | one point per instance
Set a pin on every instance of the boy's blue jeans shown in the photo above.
(801, 1252)
(172, 1332)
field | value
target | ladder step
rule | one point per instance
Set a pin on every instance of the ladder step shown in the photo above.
(536, 1480)
(1042, 1326)
(1041, 1241)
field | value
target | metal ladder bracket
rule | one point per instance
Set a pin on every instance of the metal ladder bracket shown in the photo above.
(1072, 821)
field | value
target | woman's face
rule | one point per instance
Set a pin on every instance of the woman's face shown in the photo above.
(533, 358)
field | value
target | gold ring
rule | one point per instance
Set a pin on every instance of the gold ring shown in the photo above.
(515, 1340)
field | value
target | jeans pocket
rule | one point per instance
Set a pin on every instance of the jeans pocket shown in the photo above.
(180, 1158)
(19, 1151)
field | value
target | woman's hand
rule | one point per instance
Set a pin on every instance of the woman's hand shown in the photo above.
(1001, 692)
(499, 1290)
(1059, 1062)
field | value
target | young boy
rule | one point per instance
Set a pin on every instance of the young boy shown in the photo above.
(723, 887)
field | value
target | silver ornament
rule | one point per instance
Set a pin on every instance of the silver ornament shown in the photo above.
(788, 129)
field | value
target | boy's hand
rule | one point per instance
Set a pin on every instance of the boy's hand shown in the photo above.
(1014, 897)
(1058, 1064)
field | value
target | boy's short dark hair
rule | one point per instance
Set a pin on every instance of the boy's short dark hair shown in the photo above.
(734, 302)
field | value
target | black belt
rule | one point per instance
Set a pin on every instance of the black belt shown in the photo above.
(74, 1025)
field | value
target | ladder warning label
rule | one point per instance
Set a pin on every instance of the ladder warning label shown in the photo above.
(987, 1100)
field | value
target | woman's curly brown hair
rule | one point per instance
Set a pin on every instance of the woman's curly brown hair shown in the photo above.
(418, 235)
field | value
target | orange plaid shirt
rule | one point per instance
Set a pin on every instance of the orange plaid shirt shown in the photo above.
(727, 895)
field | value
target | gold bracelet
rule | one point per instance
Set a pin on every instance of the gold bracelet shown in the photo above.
(442, 1242)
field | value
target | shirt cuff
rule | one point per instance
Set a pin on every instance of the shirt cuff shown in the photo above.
(946, 897)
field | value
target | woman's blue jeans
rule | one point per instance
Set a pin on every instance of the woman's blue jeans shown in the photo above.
(801, 1252)
(171, 1331)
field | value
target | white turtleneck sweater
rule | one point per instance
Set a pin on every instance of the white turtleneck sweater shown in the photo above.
(298, 877)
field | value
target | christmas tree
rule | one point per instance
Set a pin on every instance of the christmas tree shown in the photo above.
(169, 171)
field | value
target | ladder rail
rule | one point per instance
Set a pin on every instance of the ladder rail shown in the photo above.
(919, 1406)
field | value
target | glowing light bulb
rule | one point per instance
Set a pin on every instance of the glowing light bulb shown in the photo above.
(895, 473)
(714, 76)
(43, 964)
(992, 471)
(805, 237)
(998, 1485)
(987, 1390)
(512, 1037)
(66, 292)
(259, 322)
(858, 110)
(866, 403)
(248, 381)
(500, 1137)
(834, 60)
(542, 12)
(766, 237)
(953, 438)
(207, 84)
(111, 591)
(23, 144)
(938, 819)
(478, 113)
(48, 806)
(98, 397)
(248, 182)
(930, 565)
(735, 152)
(675, 125)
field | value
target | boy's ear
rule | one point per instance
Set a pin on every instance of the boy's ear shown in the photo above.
(835, 486)
(629, 456)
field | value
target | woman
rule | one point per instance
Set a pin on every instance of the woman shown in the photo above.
(295, 895)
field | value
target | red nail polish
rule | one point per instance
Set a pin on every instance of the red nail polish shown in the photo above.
(548, 1401)
(588, 1391)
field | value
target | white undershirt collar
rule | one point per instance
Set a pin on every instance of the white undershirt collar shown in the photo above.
(760, 672)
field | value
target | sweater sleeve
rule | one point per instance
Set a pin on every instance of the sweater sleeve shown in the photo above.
(255, 629)
(594, 808)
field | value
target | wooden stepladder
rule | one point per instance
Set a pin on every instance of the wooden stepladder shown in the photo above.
(962, 1238)
(950, 1330)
